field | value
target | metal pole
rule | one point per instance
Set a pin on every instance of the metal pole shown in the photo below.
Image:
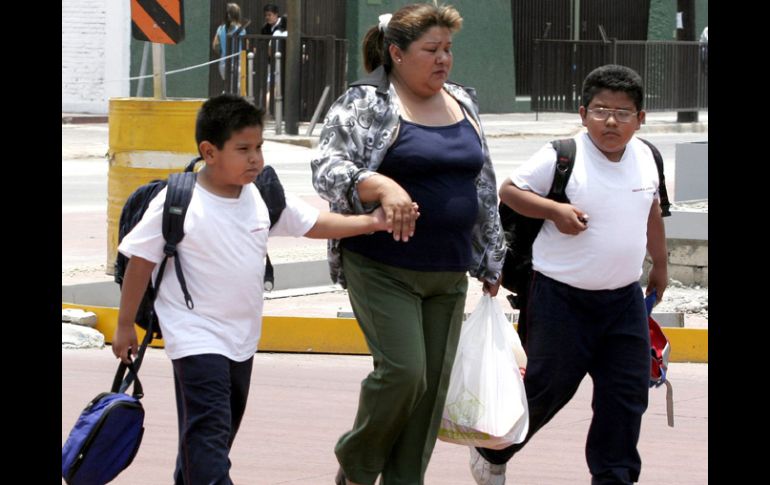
(293, 63)
(686, 9)
(576, 20)
(158, 71)
(317, 112)
(143, 69)
(250, 78)
(278, 96)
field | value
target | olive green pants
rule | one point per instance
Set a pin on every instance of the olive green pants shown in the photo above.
(411, 321)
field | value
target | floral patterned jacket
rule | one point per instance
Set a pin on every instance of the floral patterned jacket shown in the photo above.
(358, 130)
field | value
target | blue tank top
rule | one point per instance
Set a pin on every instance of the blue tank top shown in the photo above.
(438, 167)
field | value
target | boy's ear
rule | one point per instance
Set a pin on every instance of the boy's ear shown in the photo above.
(641, 118)
(207, 150)
(582, 111)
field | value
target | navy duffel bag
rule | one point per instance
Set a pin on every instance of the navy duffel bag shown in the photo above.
(107, 434)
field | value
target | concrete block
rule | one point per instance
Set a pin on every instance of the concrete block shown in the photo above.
(76, 316)
(102, 293)
(78, 337)
(302, 274)
(669, 319)
(703, 275)
(687, 225)
(689, 253)
(691, 174)
(683, 274)
(287, 276)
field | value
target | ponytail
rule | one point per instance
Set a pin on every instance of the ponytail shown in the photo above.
(374, 51)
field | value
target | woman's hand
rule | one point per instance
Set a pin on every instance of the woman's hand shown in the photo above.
(381, 220)
(491, 288)
(400, 211)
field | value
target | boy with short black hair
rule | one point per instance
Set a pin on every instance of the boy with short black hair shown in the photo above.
(275, 24)
(586, 312)
(226, 228)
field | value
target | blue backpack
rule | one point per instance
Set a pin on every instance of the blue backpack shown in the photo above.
(107, 434)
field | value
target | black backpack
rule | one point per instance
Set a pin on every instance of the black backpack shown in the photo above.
(178, 196)
(521, 231)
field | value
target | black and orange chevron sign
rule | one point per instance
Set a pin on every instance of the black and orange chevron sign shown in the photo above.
(160, 21)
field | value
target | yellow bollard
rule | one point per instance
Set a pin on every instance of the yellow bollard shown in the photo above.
(149, 139)
(242, 73)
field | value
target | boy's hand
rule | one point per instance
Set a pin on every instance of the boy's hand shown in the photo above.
(380, 224)
(569, 220)
(123, 340)
(657, 280)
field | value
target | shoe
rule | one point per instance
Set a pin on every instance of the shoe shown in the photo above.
(340, 478)
(486, 473)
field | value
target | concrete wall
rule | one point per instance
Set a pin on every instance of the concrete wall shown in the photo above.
(691, 171)
(688, 262)
(483, 49)
(94, 54)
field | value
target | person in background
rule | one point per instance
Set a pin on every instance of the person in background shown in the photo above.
(228, 27)
(275, 24)
(401, 136)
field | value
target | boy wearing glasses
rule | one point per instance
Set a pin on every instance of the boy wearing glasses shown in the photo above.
(586, 312)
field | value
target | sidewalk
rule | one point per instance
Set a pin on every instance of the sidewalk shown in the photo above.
(495, 125)
(300, 404)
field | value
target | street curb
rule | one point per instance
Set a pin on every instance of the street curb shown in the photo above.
(343, 336)
(83, 119)
(298, 140)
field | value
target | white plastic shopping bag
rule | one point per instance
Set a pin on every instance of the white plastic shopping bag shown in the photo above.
(486, 404)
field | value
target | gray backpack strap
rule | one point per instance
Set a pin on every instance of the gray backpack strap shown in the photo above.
(272, 193)
(179, 193)
(565, 161)
(664, 203)
(669, 403)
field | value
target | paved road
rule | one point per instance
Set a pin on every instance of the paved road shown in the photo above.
(300, 404)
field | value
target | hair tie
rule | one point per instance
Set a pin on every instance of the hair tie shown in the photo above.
(384, 21)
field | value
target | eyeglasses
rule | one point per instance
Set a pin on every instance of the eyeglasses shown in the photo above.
(620, 115)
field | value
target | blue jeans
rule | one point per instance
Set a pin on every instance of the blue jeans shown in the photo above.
(573, 332)
(211, 393)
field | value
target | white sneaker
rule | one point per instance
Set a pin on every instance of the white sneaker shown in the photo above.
(484, 472)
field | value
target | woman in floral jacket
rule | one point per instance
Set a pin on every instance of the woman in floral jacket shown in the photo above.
(406, 139)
